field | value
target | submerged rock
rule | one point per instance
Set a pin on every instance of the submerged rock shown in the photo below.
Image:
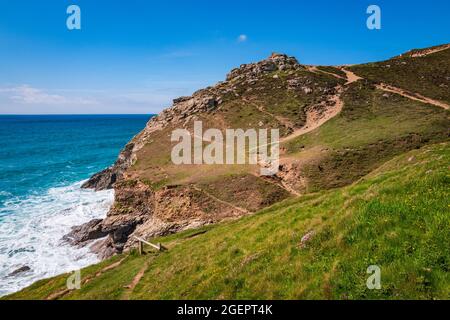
(20, 270)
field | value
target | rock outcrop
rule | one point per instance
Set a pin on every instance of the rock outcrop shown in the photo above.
(107, 178)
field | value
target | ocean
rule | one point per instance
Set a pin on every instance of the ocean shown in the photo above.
(43, 161)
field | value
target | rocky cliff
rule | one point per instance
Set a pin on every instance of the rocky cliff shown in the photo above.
(323, 113)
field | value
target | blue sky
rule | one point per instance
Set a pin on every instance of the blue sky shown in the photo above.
(135, 56)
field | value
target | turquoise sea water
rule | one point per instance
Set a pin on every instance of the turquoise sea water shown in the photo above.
(43, 160)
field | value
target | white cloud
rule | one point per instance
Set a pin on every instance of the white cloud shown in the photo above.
(242, 38)
(152, 98)
(26, 94)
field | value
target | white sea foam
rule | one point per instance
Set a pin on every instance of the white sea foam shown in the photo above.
(31, 230)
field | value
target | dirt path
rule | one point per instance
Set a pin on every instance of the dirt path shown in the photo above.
(62, 293)
(244, 211)
(315, 120)
(412, 96)
(312, 69)
(135, 281)
(351, 77)
(290, 189)
(317, 70)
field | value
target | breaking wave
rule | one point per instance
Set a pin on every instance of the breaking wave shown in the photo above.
(31, 229)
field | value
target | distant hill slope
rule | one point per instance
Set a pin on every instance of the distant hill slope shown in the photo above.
(315, 246)
(337, 124)
(425, 71)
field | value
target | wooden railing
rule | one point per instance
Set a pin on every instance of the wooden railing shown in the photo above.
(141, 243)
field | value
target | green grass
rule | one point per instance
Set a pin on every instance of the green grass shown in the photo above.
(397, 217)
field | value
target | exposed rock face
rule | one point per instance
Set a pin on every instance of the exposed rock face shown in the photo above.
(148, 213)
(139, 209)
(290, 173)
(88, 231)
(275, 62)
(102, 180)
(106, 178)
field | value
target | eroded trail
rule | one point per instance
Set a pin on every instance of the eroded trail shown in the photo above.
(315, 119)
(62, 293)
(135, 281)
(317, 70)
(352, 77)
(412, 96)
(287, 187)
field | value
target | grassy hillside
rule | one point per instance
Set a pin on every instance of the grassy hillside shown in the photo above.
(335, 128)
(397, 217)
(427, 75)
(373, 127)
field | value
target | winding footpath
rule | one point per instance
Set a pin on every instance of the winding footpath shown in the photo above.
(60, 294)
(352, 77)
(312, 121)
(412, 96)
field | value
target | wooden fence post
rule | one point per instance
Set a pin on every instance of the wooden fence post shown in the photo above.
(141, 248)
